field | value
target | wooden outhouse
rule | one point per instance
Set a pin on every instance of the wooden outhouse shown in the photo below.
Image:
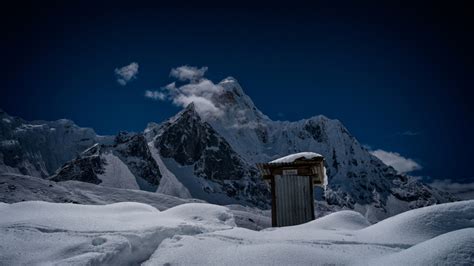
(292, 179)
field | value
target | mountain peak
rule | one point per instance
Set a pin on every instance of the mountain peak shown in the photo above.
(190, 111)
(190, 107)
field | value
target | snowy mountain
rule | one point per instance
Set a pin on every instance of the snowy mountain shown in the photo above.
(205, 163)
(213, 157)
(39, 148)
(357, 179)
(125, 163)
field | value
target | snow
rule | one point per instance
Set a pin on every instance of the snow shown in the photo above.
(303, 155)
(205, 234)
(169, 184)
(293, 157)
(117, 234)
(17, 188)
(338, 239)
(453, 248)
(117, 174)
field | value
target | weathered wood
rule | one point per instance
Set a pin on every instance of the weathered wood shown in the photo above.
(293, 200)
(274, 208)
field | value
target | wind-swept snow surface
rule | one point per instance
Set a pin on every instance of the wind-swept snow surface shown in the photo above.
(37, 232)
(342, 238)
(205, 234)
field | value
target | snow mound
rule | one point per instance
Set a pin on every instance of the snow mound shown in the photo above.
(338, 239)
(453, 248)
(200, 212)
(117, 234)
(342, 220)
(293, 157)
(205, 234)
(67, 216)
(18, 188)
(418, 225)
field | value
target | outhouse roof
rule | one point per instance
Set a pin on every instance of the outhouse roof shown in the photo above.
(301, 156)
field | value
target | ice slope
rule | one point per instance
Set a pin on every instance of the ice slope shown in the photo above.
(169, 184)
(117, 174)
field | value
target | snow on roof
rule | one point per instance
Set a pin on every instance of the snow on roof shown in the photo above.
(293, 157)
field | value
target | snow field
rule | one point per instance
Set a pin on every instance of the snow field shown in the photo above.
(204, 234)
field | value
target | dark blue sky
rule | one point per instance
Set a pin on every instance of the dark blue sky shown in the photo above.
(381, 70)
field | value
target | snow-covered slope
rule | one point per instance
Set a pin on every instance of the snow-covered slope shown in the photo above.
(18, 188)
(205, 234)
(125, 163)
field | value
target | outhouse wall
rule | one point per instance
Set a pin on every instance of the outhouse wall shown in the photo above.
(294, 203)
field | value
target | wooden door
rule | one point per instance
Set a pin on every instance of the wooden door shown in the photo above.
(293, 199)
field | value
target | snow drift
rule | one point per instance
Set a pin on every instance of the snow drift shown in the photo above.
(205, 234)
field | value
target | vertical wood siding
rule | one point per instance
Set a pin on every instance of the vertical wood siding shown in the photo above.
(293, 200)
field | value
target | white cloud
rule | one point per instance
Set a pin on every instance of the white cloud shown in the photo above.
(155, 95)
(395, 160)
(461, 190)
(198, 90)
(188, 73)
(202, 93)
(127, 73)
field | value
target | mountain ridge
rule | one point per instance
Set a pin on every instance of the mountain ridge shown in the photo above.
(213, 157)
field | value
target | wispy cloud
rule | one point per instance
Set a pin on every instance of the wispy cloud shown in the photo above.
(197, 89)
(126, 73)
(460, 190)
(397, 161)
(188, 73)
(155, 95)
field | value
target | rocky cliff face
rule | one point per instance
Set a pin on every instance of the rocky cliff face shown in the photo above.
(189, 141)
(100, 164)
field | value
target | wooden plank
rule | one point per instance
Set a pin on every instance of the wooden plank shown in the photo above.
(311, 198)
(274, 202)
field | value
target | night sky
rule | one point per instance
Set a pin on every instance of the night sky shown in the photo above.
(398, 77)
